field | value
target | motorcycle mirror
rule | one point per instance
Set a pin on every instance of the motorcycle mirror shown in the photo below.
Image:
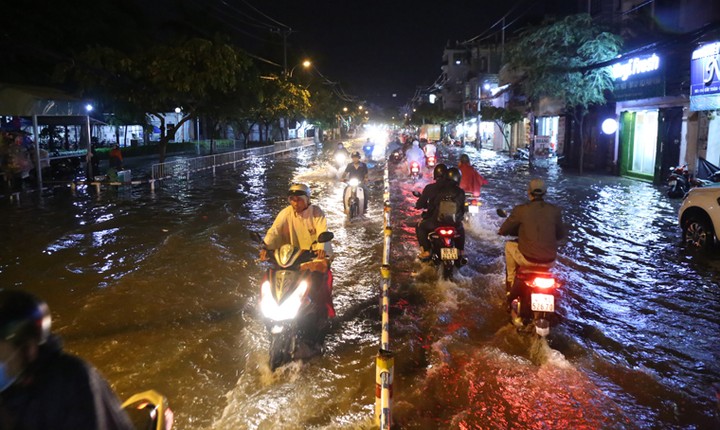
(501, 213)
(255, 237)
(416, 194)
(149, 410)
(325, 236)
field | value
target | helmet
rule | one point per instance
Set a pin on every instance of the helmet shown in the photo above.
(416, 143)
(537, 187)
(23, 317)
(299, 190)
(440, 171)
(355, 154)
(341, 145)
(464, 159)
(454, 174)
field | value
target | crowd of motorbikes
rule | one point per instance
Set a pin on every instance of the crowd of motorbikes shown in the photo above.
(294, 312)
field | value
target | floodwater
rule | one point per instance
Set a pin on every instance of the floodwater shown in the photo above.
(159, 290)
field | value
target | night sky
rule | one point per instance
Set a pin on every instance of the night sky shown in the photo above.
(376, 48)
(372, 48)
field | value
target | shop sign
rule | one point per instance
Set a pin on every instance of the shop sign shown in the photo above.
(705, 77)
(638, 78)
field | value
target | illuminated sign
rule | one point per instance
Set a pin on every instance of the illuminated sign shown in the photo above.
(705, 77)
(635, 66)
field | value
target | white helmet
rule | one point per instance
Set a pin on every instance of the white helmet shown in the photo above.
(300, 190)
(416, 143)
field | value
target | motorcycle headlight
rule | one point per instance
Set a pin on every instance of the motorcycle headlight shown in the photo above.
(289, 307)
(354, 182)
(340, 158)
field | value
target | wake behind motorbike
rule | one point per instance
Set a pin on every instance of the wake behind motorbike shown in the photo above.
(149, 410)
(354, 199)
(295, 302)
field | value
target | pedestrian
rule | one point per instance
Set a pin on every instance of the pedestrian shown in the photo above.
(41, 386)
(116, 158)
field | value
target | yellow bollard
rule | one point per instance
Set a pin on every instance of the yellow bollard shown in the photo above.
(384, 364)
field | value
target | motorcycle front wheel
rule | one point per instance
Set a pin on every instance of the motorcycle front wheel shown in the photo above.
(282, 346)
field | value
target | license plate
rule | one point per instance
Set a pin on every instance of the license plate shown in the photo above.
(542, 302)
(448, 253)
(672, 183)
(473, 209)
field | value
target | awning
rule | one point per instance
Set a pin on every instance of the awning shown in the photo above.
(25, 100)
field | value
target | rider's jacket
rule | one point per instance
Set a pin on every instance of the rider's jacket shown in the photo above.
(430, 150)
(415, 154)
(63, 392)
(359, 172)
(472, 181)
(538, 226)
(300, 230)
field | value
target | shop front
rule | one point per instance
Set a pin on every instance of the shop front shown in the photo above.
(705, 103)
(652, 124)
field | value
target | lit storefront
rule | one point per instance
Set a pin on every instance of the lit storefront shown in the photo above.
(705, 101)
(651, 134)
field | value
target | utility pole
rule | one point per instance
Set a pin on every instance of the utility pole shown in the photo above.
(284, 32)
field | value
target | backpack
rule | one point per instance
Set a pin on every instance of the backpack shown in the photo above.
(447, 209)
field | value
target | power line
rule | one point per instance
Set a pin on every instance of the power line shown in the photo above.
(262, 14)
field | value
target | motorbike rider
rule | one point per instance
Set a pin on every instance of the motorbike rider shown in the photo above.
(430, 149)
(538, 226)
(472, 180)
(299, 225)
(415, 154)
(41, 386)
(359, 170)
(445, 188)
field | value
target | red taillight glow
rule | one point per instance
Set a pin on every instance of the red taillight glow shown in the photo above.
(447, 232)
(540, 282)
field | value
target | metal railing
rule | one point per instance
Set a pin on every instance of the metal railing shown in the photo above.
(184, 168)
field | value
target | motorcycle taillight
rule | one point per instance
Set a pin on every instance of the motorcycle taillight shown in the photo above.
(543, 282)
(447, 232)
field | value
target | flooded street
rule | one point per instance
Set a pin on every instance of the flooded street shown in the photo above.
(159, 290)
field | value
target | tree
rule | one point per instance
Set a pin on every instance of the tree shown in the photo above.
(194, 74)
(559, 60)
(279, 98)
(501, 117)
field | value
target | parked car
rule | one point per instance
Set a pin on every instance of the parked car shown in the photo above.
(699, 217)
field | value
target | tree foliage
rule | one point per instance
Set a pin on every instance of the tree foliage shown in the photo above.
(433, 113)
(558, 60)
(195, 75)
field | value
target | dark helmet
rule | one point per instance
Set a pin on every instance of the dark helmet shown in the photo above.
(440, 171)
(23, 317)
(454, 175)
(355, 154)
(465, 159)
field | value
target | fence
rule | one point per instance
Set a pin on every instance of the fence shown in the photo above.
(184, 168)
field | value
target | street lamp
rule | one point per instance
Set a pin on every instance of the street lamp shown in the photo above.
(345, 109)
(306, 64)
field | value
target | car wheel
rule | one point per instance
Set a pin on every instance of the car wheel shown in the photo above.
(698, 233)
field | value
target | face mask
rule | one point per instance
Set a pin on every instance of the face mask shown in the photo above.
(5, 379)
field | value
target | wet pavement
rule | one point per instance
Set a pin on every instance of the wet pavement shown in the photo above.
(159, 290)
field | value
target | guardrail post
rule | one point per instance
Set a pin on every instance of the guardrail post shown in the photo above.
(384, 369)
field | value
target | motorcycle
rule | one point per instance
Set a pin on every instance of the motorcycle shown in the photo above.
(536, 287)
(354, 199)
(679, 181)
(442, 248)
(522, 153)
(396, 156)
(430, 161)
(368, 150)
(149, 410)
(295, 302)
(472, 205)
(415, 173)
(340, 159)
